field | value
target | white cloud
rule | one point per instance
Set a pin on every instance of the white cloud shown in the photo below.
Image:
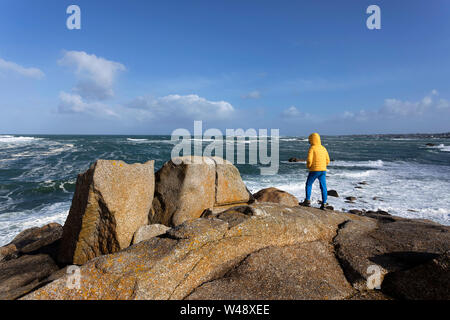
(443, 104)
(361, 115)
(396, 108)
(186, 107)
(26, 72)
(96, 75)
(252, 95)
(292, 113)
(74, 103)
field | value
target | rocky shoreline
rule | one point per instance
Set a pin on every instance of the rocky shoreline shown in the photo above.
(192, 230)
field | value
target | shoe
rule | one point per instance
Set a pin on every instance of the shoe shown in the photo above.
(323, 206)
(306, 203)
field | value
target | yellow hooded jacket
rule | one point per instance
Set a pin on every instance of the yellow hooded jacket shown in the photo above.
(318, 157)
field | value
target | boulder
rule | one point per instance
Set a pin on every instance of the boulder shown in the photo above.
(45, 239)
(276, 196)
(388, 243)
(333, 193)
(32, 241)
(350, 198)
(428, 281)
(293, 159)
(230, 189)
(187, 186)
(184, 188)
(430, 144)
(20, 276)
(112, 200)
(174, 265)
(149, 231)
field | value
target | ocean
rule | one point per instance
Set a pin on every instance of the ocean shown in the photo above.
(401, 175)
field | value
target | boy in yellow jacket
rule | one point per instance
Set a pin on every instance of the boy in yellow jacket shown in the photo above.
(317, 162)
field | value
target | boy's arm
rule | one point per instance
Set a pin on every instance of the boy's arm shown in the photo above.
(309, 160)
(328, 157)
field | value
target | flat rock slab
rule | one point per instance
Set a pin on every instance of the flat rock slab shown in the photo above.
(20, 276)
(32, 241)
(369, 295)
(429, 281)
(305, 271)
(173, 265)
(390, 243)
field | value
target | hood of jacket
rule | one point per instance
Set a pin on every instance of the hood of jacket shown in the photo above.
(314, 139)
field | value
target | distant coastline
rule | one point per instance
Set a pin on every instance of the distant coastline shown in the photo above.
(442, 135)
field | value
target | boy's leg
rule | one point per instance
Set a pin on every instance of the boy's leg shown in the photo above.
(312, 176)
(323, 186)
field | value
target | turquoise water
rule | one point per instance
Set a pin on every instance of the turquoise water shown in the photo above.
(409, 179)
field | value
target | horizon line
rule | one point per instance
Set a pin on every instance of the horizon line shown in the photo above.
(161, 134)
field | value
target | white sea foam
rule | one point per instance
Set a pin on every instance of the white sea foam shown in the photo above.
(57, 150)
(294, 139)
(48, 152)
(242, 141)
(14, 222)
(354, 174)
(142, 140)
(14, 140)
(201, 139)
(294, 162)
(441, 147)
(369, 164)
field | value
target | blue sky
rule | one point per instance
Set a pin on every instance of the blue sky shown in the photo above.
(149, 67)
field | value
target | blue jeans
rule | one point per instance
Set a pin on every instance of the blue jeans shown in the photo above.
(313, 175)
